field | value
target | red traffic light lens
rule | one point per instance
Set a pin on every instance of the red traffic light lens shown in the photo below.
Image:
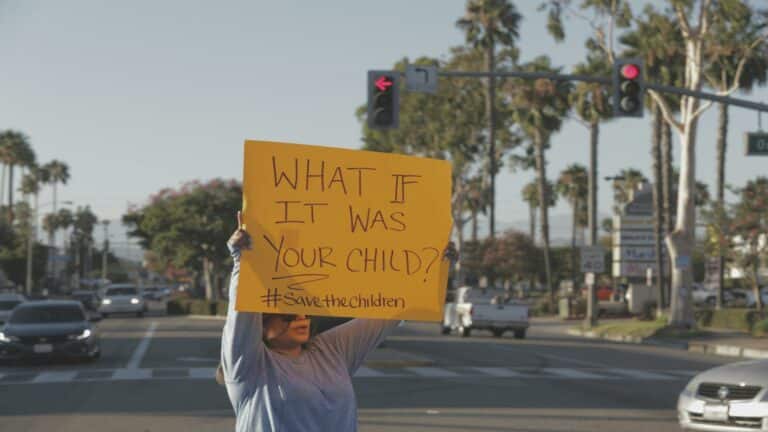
(630, 71)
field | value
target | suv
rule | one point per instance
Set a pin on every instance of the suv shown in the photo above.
(122, 298)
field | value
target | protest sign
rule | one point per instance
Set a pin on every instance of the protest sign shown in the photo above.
(341, 232)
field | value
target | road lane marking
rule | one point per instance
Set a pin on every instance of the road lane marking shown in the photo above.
(572, 373)
(52, 377)
(141, 349)
(499, 372)
(202, 373)
(132, 374)
(427, 373)
(640, 374)
(432, 372)
(366, 372)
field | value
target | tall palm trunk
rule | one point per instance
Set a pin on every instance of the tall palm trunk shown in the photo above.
(490, 108)
(574, 226)
(210, 290)
(594, 133)
(532, 221)
(10, 194)
(541, 167)
(658, 206)
(667, 182)
(722, 145)
(2, 184)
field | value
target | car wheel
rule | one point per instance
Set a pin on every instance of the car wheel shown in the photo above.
(105, 315)
(140, 314)
(497, 332)
(465, 331)
(445, 330)
(520, 334)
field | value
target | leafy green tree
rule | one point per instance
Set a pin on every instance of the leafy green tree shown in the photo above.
(511, 256)
(488, 24)
(188, 228)
(749, 229)
(538, 108)
(624, 184)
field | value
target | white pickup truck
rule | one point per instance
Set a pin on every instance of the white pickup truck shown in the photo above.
(473, 310)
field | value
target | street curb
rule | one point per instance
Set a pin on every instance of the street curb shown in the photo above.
(697, 347)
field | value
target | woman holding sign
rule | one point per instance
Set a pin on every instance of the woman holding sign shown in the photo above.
(278, 379)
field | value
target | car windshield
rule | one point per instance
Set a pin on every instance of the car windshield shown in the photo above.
(8, 304)
(47, 314)
(121, 291)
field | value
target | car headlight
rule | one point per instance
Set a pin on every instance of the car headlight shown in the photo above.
(82, 336)
(106, 301)
(134, 301)
(4, 338)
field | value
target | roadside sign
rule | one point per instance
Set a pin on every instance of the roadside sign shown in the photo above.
(592, 259)
(757, 144)
(422, 79)
(589, 278)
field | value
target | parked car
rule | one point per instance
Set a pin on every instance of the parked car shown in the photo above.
(751, 297)
(474, 310)
(7, 303)
(122, 298)
(89, 299)
(733, 397)
(152, 293)
(49, 328)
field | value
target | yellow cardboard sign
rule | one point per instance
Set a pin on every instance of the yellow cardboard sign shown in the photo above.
(340, 232)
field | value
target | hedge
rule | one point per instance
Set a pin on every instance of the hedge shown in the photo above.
(733, 319)
(761, 328)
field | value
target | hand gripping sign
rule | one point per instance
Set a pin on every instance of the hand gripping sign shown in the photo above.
(344, 232)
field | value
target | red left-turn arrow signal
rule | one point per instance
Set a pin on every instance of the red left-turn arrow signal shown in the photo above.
(383, 83)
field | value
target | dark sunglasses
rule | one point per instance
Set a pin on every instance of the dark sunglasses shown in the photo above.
(289, 317)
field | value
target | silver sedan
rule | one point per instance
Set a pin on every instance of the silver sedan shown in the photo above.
(733, 398)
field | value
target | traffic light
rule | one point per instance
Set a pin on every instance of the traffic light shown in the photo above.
(383, 99)
(628, 88)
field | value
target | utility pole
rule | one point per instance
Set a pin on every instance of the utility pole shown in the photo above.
(105, 224)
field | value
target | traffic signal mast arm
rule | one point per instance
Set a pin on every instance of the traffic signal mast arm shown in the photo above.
(608, 81)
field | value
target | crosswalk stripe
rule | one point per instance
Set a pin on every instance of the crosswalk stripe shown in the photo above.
(366, 372)
(132, 374)
(202, 373)
(572, 373)
(432, 372)
(498, 372)
(640, 374)
(52, 377)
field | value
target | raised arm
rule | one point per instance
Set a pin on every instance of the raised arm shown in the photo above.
(242, 350)
(355, 339)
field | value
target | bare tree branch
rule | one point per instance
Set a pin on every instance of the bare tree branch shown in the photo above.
(740, 67)
(666, 111)
(703, 19)
(684, 25)
(701, 109)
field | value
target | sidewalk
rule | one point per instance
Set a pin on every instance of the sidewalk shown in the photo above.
(716, 341)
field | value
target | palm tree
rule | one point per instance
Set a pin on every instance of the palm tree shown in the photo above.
(573, 186)
(16, 151)
(30, 185)
(58, 173)
(477, 201)
(624, 186)
(530, 194)
(486, 24)
(539, 107)
(592, 104)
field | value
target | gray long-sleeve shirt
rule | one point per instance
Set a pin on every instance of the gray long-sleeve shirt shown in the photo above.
(312, 392)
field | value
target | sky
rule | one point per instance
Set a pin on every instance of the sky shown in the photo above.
(141, 95)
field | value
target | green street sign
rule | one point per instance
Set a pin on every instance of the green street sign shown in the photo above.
(757, 144)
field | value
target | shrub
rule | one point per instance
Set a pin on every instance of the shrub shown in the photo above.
(760, 328)
(734, 319)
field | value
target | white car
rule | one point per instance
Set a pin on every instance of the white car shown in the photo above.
(122, 298)
(7, 303)
(474, 310)
(729, 398)
(763, 297)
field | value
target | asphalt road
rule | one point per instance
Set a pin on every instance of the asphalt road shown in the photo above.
(155, 374)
